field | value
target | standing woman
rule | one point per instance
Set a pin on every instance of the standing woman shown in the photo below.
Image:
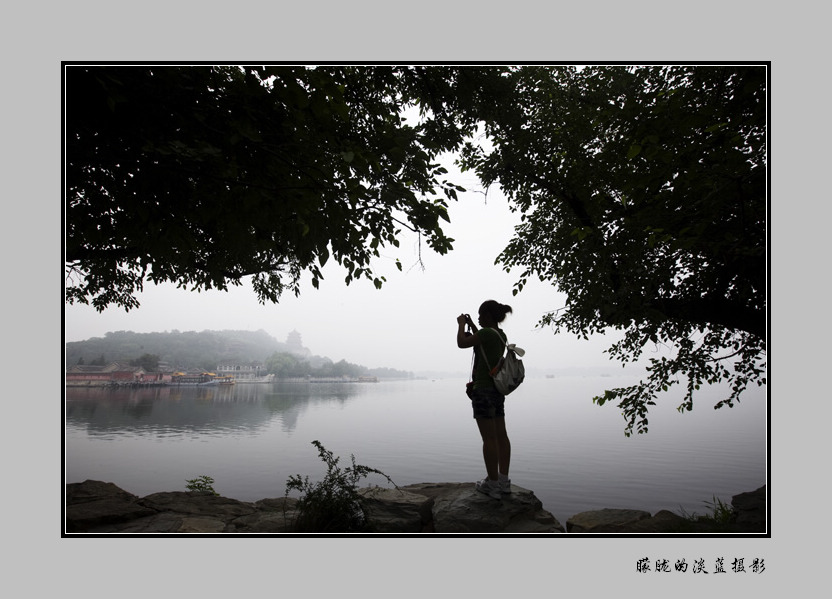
(487, 402)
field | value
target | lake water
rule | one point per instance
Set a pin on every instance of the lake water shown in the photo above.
(570, 452)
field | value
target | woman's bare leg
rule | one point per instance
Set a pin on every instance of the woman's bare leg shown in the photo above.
(504, 446)
(496, 447)
(490, 446)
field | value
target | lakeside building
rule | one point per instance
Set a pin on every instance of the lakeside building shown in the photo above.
(112, 373)
(117, 373)
(250, 372)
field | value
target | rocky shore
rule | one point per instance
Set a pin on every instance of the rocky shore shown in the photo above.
(95, 507)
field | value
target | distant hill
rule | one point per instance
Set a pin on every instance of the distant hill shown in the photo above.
(204, 350)
(188, 349)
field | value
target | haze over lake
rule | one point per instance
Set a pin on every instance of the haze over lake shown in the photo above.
(571, 453)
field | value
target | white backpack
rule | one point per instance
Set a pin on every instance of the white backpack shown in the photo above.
(509, 371)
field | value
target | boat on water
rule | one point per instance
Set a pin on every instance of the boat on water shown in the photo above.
(201, 379)
(225, 380)
(269, 378)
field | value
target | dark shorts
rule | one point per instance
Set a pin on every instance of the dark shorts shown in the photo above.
(488, 403)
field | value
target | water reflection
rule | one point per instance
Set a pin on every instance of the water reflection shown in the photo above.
(573, 454)
(211, 410)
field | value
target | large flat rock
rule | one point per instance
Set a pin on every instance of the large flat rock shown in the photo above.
(439, 508)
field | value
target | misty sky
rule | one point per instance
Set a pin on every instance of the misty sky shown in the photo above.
(410, 324)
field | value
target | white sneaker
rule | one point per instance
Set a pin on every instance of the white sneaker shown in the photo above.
(505, 485)
(489, 487)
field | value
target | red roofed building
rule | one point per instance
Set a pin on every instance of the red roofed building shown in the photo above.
(114, 372)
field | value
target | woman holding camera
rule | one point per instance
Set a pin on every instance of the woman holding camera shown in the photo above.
(488, 403)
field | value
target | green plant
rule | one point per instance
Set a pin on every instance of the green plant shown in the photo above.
(332, 504)
(720, 519)
(201, 484)
(721, 513)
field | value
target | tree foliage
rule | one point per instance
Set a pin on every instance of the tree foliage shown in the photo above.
(643, 199)
(642, 192)
(288, 365)
(150, 362)
(203, 176)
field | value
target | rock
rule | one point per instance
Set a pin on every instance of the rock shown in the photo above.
(605, 520)
(442, 508)
(166, 522)
(201, 525)
(96, 507)
(462, 509)
(396, 510)
(197, 503)
(751, 510)
(662, 521)
(271, 516)
(93, 503)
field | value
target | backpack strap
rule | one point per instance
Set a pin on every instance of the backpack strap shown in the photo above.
(510, 346)
(482, 351)
(485, 357)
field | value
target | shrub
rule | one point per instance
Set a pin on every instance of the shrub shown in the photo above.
(201, 484)
(722, 518)
(332, 504)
